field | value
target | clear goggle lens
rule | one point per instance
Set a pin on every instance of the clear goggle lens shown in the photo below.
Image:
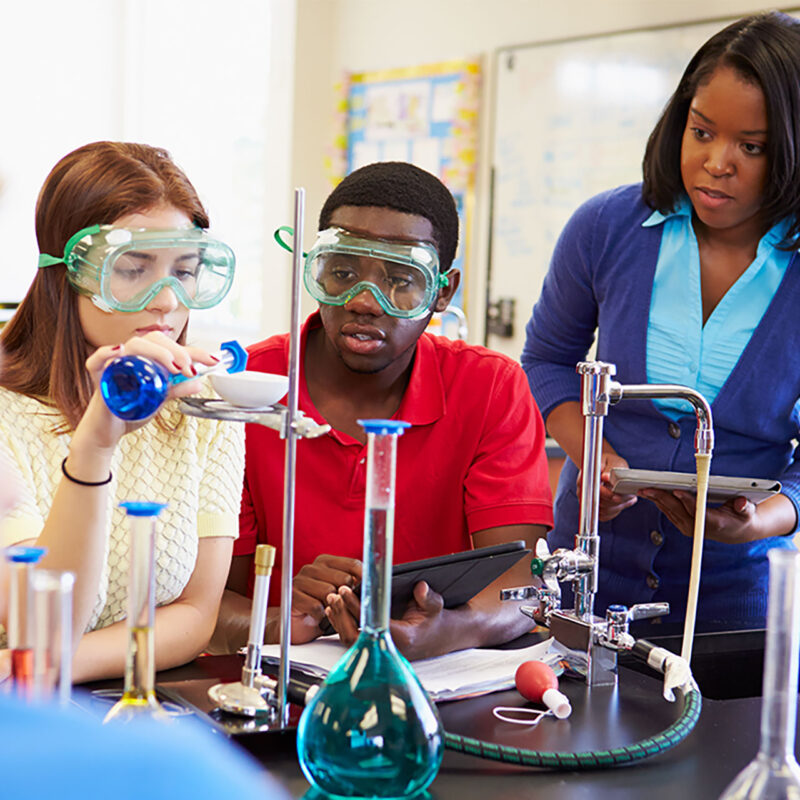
(403, 278)
(125, 269)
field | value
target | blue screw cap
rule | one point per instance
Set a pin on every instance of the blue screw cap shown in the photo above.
(382, 427)
(24, 555)
(239, 355)
(142, 509)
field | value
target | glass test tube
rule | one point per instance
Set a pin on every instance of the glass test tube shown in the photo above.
(52, 643)
(379, 525)
(21, 562)
(139, 697)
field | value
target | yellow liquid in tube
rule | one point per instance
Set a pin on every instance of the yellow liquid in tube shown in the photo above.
(139, 697)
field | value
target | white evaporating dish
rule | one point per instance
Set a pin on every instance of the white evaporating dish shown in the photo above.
(250, 389)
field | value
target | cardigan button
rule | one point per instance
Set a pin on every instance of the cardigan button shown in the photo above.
(652, 581)
(656, 538)
(674, 430)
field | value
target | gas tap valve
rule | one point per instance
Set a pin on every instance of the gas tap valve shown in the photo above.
(615, 634)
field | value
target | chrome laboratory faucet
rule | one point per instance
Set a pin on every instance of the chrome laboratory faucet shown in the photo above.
(592, 639)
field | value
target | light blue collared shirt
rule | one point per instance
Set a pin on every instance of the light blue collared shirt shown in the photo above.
(680, 349)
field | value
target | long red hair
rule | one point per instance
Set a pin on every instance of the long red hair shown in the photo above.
(43, 343)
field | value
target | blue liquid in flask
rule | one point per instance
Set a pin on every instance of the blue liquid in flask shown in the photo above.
(371, 730)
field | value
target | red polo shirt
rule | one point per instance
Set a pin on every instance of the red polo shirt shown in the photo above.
(473, 459)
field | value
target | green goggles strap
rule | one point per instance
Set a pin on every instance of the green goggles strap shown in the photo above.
(279, 238)
(49, 261)
(46, 260)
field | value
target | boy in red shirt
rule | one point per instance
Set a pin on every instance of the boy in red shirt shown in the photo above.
(471, 469)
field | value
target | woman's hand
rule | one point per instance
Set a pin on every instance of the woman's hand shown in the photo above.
(734, 522)
(611, 504)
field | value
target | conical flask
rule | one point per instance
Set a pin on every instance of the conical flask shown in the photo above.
(371, 730)
(774, 774)
(139, 696)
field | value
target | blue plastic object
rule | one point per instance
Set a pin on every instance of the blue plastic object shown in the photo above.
(134, 387)
(24, 555)
(142, 509)
(384, 427)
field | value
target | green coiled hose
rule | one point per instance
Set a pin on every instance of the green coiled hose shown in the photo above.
(595, 759)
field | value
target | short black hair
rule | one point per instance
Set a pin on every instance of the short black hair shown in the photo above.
(402, 187)
(765, 50)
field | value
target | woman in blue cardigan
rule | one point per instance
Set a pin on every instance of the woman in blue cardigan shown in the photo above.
(690, 277)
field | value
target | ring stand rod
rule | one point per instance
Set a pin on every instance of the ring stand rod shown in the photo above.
(290, 462)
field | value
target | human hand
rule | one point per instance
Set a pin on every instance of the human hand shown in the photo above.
(312, 588)
(734, 522)
(419, 633)
(422, 631)
(98, 425)
(611, 504)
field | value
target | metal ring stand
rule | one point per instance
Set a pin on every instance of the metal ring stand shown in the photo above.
(275, 417)
(290, 424)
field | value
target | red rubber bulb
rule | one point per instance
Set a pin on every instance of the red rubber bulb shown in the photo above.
(533, 679)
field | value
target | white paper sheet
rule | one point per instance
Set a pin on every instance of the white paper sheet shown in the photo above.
(455, 675)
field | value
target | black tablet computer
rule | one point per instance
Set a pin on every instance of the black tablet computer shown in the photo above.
(457, 577)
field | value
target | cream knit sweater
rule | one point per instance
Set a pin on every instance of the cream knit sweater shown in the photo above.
(197, 471)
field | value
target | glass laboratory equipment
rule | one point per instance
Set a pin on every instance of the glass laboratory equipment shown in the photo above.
(52, 641)
(371, 730)
(774, 773)
(134, 386)
(21, 563)
(139, 697)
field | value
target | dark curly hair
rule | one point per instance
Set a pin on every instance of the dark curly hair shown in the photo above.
(765, 50)
(402, 187)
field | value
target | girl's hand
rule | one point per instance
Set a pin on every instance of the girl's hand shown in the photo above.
(99, 428)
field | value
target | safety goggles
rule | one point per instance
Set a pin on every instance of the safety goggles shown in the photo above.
(403, 277)
(123, 269)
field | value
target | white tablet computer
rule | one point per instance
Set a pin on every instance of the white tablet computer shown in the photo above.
(720, 487)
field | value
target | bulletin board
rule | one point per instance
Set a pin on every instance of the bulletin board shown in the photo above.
(570, 119)
(427, 115)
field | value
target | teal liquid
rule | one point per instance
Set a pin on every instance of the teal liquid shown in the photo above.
(371, 730)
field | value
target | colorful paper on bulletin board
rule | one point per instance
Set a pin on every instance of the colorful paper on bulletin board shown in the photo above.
(427, 115)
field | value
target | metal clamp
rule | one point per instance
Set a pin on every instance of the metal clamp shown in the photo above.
(275, 417)
(548, 600)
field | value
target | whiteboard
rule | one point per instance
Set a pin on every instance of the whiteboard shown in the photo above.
(571, 119)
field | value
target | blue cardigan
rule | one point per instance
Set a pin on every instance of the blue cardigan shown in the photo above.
(601, 277)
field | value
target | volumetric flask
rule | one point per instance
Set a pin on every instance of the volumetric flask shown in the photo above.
(21, 563)
(52, 640)
(371, 730)
(774, 774)
(139, 696)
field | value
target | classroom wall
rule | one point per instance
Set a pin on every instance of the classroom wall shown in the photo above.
(339, 36)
